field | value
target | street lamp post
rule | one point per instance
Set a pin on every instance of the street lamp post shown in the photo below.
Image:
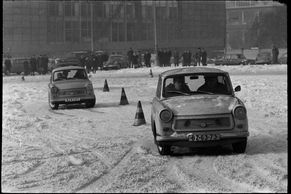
(92, 36)
(155, 33)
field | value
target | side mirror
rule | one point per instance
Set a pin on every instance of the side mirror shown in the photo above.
(237, 89)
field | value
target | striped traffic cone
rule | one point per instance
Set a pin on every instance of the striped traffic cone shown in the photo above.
(139, 116)
(105, 88)
(151, 73)
(123, 99)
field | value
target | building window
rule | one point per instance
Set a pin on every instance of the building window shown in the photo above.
(173, 13)
(130, 32)
(99, 10)
(130, 11)
(234, 17)
(161, 13)
(72, 32)
(52, 8)
(85, 10)
(85, 30)
(69, 9)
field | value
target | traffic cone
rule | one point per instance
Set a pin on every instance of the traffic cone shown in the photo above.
(105, 88)
(22, 78)
(139, 116)
(123, 99)
(151, 73)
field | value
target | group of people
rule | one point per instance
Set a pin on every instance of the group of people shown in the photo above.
(37, 64)
(93, 62)
(135, 58)
(166, 57)
(197, 59)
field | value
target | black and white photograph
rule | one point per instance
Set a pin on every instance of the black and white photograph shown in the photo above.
(144, 96)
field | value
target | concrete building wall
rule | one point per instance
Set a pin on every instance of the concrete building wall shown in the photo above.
(58, 27)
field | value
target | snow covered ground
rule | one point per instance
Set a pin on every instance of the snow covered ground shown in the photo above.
(75, 149)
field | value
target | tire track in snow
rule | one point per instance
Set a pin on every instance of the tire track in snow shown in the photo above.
(98, 183)
(203, 178)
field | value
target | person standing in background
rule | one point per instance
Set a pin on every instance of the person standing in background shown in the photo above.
(176, 58)
(198, 56)
(204, 57)
(275, 53)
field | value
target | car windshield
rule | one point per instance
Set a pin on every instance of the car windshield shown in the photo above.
(69, 74)
(194, 84)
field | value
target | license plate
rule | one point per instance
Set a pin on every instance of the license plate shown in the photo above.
(72, 99)
(203, 137)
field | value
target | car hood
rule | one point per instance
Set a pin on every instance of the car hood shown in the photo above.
(201, 104)
(63, 85)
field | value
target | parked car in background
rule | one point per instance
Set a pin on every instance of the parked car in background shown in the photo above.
(264, 58)
(283, 59)
(70, 85)
(116, 61)
(195, 117)
(233, 59)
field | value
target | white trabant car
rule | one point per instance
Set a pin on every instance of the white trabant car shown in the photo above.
(197, 107)
(70, 85)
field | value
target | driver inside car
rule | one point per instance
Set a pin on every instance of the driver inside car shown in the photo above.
(178, 86)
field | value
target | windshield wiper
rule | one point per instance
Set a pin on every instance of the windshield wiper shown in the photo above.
(178, 92)
(204, 92)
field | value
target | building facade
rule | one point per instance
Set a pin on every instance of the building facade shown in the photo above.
(57, 27)
(240, 17)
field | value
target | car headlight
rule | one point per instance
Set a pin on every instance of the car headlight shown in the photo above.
(240, 113)
(54, 89)
(166, 115)
(89, 87)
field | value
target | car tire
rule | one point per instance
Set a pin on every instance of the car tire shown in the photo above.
(164, 150)
(54, 106)
(240, 147)
(90, 104)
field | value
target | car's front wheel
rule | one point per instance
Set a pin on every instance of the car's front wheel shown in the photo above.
(240, 147)
(54, 106)
(164, 150)
(90, 103)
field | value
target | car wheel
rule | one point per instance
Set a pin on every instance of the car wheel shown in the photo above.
(164, 150)
(53, 106)
(90, 103)
(240, 147)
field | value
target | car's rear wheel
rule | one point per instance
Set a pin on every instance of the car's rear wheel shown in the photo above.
(90, 103)
(240, 147)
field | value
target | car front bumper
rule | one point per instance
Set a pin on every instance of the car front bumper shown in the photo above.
(64, 100)
(182, 139)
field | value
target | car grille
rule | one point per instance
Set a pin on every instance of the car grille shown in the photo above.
(215, 122)
(70, 92)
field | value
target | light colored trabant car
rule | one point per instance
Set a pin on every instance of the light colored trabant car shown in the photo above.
(197, 107)
(70, 85)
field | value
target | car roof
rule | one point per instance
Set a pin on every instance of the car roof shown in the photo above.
(116, 55)
(190, 70)
(68, 68)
